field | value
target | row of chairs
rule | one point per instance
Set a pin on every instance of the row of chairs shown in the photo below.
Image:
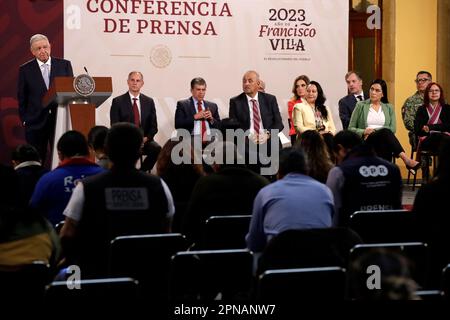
(203, 276)
(228, 232)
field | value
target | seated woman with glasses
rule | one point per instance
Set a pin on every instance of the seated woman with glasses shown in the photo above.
(374, 120)
(432, 122)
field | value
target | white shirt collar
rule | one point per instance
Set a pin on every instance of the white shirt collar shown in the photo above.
(132, 97)
(250, 98)
(49, 62)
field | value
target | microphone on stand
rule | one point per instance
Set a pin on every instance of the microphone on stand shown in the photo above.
(85, 69)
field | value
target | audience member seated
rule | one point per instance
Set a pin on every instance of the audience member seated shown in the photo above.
(295, 201)
(312, 114)
(395, 282)
(363, 181)
(412, 104)
(230, 190)
(299, 91)
(433, 220)
(96, 141)
(27, 164)
(53, 190)
(121, 201)
(355, 93)
(432, 122)
(374, 120)
(316, 152)
(26, 237)
(180, 178)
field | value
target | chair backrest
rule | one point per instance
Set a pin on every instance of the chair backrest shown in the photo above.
(110, 290)
(416, 253)
(430, 295)
(385, 226)
(326, 283)
(205, 274)
(225, 232)
(24, 282)
(146, 258)
(446, 282)
(308, 248)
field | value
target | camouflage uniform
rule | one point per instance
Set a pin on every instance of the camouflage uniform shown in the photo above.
(409, 111)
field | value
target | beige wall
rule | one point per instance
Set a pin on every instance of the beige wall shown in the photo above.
(409, 45)
(443, 46)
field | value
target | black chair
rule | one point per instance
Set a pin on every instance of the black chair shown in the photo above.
(225, 232)
(385, 226)
(24, 283)
(146, 258)
(302, 284)
(114, 292)
(308, 248)
(205, 275)
(417, 254)
(430, 295)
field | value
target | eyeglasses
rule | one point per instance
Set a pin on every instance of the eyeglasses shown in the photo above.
(434, 91)
(422, 80)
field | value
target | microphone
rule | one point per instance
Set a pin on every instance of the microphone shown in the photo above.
(85, 69)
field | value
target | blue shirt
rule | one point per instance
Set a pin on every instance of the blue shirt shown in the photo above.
(53, 190)
(294, 202)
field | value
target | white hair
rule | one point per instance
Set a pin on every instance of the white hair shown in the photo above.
(37, 37)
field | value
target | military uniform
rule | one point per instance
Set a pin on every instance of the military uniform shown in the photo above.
(409, 111)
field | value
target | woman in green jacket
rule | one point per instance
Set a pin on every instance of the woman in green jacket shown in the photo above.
(374, 120)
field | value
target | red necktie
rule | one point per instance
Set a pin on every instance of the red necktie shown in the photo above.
(137, 117)
(203, 130)
(256, 117)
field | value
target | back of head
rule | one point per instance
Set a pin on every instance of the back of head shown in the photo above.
(73, 144)
(292, 160)
(395, 279)
(224, 154)
(25, 152)
(123, 144)
(97, 137)
(343, 142)
(347, 139)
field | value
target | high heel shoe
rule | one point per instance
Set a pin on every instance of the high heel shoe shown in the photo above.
(414, 169)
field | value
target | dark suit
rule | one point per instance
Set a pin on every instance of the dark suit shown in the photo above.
(39, 121)
(184, 114)
(346, 106)
(122, 111)
(268, 109)
(270, 116)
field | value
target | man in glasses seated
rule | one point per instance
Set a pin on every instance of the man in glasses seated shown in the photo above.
(409, 109)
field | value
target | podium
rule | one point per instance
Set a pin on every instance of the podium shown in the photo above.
(74, 111)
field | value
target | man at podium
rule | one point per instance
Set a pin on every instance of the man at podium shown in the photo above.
(139, 109)
(35, 77)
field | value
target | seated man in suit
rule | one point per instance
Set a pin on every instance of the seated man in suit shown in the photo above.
(195, 114)
(139, 109)
(355, 94)
(35, 77)
(257, 112)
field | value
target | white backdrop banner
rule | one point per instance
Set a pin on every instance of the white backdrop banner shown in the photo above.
(171, 42)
